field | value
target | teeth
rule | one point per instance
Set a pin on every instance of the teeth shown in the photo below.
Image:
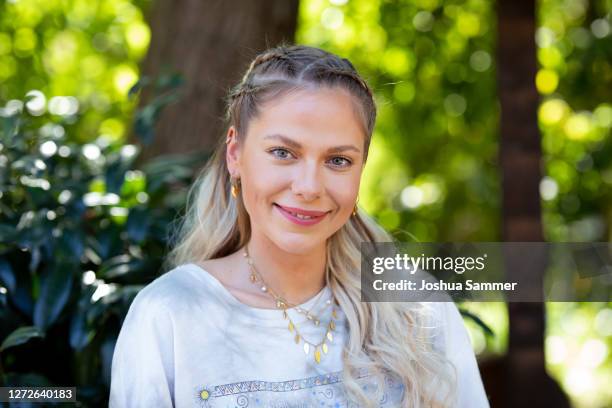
(302, 217)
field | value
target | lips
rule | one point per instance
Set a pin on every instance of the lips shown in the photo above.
(300, 216)
(299, 211)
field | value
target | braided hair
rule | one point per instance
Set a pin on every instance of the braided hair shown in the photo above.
(285, 68)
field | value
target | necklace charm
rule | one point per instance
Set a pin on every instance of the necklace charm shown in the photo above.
(282, 304)
(317, 356)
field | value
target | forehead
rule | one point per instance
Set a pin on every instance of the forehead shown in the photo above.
(326, 116)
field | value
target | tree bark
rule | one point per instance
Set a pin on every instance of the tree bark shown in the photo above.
(526, 382)
(210, 43)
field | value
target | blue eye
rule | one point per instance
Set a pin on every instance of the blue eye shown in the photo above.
(340, 161)
(281, 153)
(284, 154)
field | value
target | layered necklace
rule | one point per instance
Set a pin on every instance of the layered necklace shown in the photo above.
(320, 348)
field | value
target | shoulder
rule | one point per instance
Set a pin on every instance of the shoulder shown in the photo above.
(441, 314)
(445, 323)
(456, 346)
(173, 290)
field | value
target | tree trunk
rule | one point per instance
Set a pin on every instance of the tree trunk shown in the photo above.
(210, 43)
(526, 384)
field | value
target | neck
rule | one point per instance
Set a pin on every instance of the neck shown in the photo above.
(295, 277)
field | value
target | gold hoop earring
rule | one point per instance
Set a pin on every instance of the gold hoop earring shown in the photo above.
(355, 209)
(235, 187)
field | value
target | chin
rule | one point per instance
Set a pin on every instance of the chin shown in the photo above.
(298, 244)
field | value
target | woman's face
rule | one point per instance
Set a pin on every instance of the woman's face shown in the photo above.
(304, 152)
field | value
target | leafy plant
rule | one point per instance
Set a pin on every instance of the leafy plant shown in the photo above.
(81, 232)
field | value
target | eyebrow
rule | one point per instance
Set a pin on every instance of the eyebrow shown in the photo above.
(296, 145)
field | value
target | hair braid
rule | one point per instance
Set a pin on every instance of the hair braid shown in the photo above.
(245, 86)
(352, 75)
(274, 54)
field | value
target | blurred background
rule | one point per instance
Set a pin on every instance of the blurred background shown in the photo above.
(494, 125)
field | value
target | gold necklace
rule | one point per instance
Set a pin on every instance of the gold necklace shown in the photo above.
(282, 304)
(280, 301)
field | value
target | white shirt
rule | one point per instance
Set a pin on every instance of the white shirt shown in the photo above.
(188, 342)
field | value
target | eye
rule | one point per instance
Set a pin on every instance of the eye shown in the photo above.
(280, 153)
(340, 161)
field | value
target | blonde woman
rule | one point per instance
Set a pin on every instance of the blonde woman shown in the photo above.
(261, 305)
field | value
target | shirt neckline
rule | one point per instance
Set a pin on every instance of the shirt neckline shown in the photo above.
(262, 313)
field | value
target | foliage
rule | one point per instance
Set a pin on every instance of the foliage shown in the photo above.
(88, 49)
(81, 231)
(575, 78)
(578, 350)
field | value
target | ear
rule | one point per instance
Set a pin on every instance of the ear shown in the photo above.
(233, 152)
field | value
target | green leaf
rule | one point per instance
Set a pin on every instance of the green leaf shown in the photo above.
(10, 127)
(137, 224)
(27, 380)
(55, 291)
(7, 275)
(144, 123)
(20, 336)
(115, 172)
(7, 233)
(120, 266)
(169, 162)
(80, 334)
(22, 297)
(172, 167)
(171, 80)
(108, 241)
(71, 244)
(488, 331)
(141, 83)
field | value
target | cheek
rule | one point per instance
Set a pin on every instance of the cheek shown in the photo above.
(345, 193)
(260, 187)
(346, 196)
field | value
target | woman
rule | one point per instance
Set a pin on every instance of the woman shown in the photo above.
(262, 305)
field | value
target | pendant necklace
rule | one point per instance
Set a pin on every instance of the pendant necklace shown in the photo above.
(319, 348)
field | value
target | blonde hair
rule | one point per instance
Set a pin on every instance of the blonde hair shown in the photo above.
(384, 337)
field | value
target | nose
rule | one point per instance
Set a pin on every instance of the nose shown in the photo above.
(307, 181)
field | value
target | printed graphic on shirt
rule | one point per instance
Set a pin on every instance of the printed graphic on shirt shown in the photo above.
(324, 391)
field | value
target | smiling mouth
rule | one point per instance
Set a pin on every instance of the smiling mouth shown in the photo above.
(301, 215)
